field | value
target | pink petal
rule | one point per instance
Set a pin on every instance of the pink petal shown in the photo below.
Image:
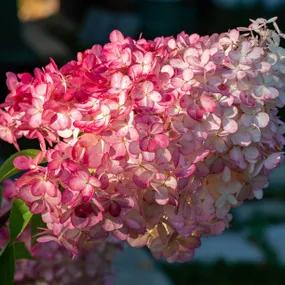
(161, 140)
(142, 177)
(186, 171)
(177, 82)
(168, 69)
(148, 156)
(134, 147)
(148, 144)
(230, 126)
(51, 190)
(195, 112)
(155, 96)
(178, 63)
(87, 193)
(205, 57)
(208, 103)
(273, 160)
(116, 36)
(94, 181)
(76, 183)
(156, 128)
(11, 81)
(23, 162)
(111, 224)
(188, 74)
(39, 188)
(171, 182)
(79, 222)
(36, 120)
(6, 134)
(38, 207)
(46, 238)
(161, 196)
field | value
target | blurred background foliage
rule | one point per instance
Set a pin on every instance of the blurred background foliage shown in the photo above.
(31, 31)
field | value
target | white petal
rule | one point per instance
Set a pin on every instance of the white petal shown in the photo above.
(236, 154)
(230, 112)
(230, 125)
(178, 63)
(232, 200)
(213, 122)
(262, 119)
(251, 154)
(258, 194)
(255, 134)
(168, 69)
(220, 145)
(226, 174)
(241, 138)
(266, 92)
(246, 120)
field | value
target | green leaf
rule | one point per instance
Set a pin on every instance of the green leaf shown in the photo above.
(36, 224)
(7, 266)
(21, 251)
(19, 218)
(7, 168)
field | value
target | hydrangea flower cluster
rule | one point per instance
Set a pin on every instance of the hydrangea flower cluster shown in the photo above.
(151, 142)
(52, 265)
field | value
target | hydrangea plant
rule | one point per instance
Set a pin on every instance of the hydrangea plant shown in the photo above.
(147, 142)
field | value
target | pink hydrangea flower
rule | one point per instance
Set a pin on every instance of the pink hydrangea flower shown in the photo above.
(150, 141)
